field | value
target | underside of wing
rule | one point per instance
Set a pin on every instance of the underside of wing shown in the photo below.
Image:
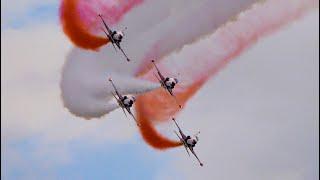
(105, 24)
(115, 89)
(118, 100)
(180, 131)
(159, 73)
(122, 51)
(175, 98)
(192, 151)
(160, 81)
(129, 111)
(184, 143)
(161, 76)
(124, 111)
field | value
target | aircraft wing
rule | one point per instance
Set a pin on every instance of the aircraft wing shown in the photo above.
(159, 80)
(184, 143)
(192, 151)
(122, 51)
(105, 25)
(180, 131)
(159, 73)
(129, 111)
(115, 89)
(120, 104)
(175, 98)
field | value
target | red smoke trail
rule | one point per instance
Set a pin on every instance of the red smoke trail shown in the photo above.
(79, 19)
(148, 131)
(75, 30)
(158, 106)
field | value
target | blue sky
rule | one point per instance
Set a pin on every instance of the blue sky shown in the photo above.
(43, 13)
(132, 160)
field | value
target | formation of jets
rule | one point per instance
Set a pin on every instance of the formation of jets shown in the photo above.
(125, 102)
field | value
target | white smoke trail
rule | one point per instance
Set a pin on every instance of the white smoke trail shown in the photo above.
(151, 34)
(184, 25)
(86, 91)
